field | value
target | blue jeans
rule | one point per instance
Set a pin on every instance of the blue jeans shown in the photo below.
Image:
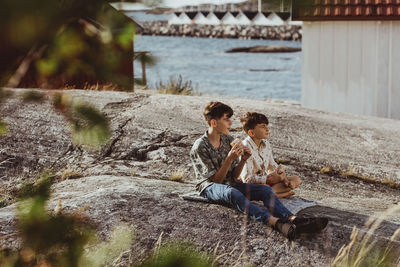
(240, 195)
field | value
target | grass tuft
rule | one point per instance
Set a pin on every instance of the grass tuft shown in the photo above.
(282, 161)
(177, 175)
(67, 174)
(326, 170)
(176, 86)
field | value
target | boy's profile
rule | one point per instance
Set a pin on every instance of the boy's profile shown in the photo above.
(217, 167)
(261, 167)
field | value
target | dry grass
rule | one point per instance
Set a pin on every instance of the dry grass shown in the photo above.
(178, 175)
(281, 161)
(95, 87)
(68, 174)
(326, 170)
(352, 174)
(363, 251)
(177, 86)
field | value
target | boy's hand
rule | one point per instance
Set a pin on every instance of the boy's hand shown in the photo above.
(274, 178)
(285, 181)
(236, 151)
(278, 177)
(246, 153)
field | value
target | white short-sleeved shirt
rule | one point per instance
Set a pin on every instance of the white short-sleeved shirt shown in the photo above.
(260, 164)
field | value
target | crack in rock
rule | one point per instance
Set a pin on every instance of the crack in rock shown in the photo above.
(121, 132)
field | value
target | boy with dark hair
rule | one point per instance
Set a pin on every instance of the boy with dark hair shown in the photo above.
(261, 167)
(217, 166)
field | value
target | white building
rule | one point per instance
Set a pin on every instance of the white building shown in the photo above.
(201, 18)
(261, 19)
(229, 19)
(213, 19)
(243, 19)
(351, 57)
(184, 19)
(174, 18)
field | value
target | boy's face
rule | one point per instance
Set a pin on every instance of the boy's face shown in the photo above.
(223, 124)
(261, 131)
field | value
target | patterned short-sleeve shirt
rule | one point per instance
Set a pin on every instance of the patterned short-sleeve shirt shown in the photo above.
(260, 164)
(207, 160)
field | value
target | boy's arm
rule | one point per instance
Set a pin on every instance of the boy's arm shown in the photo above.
(275, 176)
(235, 153)
(238, 169)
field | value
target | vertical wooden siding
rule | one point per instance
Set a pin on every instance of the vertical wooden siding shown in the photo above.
(352, 66)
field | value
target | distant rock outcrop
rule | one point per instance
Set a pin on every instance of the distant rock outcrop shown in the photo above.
(264, 49)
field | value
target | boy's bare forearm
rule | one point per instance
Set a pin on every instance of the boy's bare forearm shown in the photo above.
(220, 175)
(238, 169)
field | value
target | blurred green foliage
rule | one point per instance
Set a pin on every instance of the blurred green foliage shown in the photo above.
(33, 96)
(48, 239)
(58, 239)
(89, 126)
(58, 43)
(105, 253)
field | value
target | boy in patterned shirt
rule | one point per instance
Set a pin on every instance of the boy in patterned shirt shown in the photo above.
(217, 166)
(261, 167)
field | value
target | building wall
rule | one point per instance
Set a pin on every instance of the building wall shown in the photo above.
(352, 66)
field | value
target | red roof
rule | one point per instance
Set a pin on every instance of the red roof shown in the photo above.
(309, 10)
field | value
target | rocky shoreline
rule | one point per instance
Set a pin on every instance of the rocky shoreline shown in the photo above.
(286, 32)
(127, 182)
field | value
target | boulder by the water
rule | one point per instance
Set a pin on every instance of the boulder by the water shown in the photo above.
(264, 49)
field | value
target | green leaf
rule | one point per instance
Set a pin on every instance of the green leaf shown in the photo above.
(90, 127)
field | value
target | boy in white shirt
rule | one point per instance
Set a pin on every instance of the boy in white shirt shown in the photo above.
(261, 167)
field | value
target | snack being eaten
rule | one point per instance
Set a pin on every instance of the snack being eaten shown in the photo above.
(281, 169)
(234, 142)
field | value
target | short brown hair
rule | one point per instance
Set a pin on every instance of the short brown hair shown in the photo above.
(216, 110)
(251, 119)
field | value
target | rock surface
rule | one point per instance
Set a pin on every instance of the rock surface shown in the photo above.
(128, 180)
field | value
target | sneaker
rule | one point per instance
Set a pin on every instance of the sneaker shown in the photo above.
(309, 224)
(286, 228)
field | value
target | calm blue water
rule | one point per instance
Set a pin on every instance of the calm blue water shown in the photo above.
(205, 63)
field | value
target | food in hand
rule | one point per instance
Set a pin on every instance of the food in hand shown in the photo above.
(234, 142)
(281, 169)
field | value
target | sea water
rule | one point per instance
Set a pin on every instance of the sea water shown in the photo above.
(204, 61)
